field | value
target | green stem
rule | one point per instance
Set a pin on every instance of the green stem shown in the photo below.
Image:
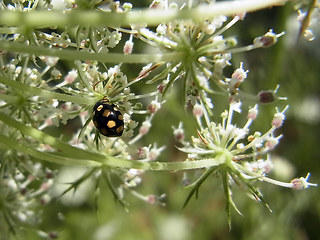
(41, 19)
(44, 93)
(9, 98)
(77, 156)
(9, 143)
(69, 54)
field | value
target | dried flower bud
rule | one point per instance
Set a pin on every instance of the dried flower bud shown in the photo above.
(267, 40)
(266, 96)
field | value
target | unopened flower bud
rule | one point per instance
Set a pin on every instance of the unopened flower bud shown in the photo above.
(71, 76)
(272, 142)
(239, 74)
(127, 6)
(142, 152)
(51, 61)
(151, 199)
(302, 183)
(56, 74)
(197, 110)
(266, 96)
(154, 153)
(277, 120)
(128, 46)
(252, 113)
(179, 134)
(145, 127)
(153, 107)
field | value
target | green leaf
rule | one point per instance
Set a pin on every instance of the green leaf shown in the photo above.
(74, 185)
(196, 185)
(226, 190)
(115, 194)
(254, 191)
(160, 76)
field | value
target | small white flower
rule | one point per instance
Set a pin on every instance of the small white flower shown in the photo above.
(72, 75)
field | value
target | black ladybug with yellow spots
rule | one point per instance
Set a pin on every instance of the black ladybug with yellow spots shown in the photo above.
(108, 119)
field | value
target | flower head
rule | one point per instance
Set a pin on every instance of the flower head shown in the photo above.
(235, 154)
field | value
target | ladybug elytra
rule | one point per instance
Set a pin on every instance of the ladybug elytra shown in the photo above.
(108, 119)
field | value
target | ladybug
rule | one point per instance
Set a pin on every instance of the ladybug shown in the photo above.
(108, 119)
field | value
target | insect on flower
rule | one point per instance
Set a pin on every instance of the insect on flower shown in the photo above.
(107, 118)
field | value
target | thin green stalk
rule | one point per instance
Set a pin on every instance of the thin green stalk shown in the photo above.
(9, 98)
(44, 93)
(9, 143)
(41, 19)
(75, 156)
(68, 54)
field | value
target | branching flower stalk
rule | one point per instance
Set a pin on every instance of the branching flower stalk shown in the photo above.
(39, 91)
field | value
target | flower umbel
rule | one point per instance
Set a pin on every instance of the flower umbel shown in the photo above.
(241, 157)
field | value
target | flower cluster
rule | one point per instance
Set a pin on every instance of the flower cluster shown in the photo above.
(239, 156)
(41, 94)
(21, 195)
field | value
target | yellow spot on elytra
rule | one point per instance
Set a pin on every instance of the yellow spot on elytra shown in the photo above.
(120, 117)
(95, 123)
(99, 108)
(111, 124)
(119, 129)
(106, 113)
